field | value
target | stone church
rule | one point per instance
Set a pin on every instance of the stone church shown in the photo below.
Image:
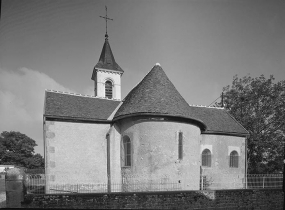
(152, 136)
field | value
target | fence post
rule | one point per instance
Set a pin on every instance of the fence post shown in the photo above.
(14, 188)
(263, 181)
(202, 183)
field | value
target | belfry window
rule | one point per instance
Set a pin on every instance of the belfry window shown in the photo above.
(180, 145)
(206, 158)
(234, 159)
(127, 151)
(108, 89)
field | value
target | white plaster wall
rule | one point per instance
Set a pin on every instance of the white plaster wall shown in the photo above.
(116, 80)
(115, 163)
(155, 153)
(220, 174)
(76, 153)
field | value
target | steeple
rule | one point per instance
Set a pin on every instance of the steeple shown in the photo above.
(107, 73)
(107, 60)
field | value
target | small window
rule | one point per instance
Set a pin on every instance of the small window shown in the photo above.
(206, 158)
(108, 89)
(127, 151)
(180, 145)
(234, 159)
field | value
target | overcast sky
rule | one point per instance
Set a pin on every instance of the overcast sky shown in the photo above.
(200, 44)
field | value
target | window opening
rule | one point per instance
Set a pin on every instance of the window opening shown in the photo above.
(108, 89)
(206, 158)
(127, 150)
(180, 145)
(234, 159)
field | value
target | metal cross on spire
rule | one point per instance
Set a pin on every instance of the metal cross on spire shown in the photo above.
(106, 18)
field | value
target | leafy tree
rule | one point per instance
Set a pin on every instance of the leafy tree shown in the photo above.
(259, 105)
(18, 149)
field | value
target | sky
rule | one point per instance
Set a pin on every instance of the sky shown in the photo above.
(200, 44)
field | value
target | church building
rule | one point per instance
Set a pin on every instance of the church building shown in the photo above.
(151, 138)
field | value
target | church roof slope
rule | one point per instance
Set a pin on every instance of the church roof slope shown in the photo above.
(67, 106)
(217, 120)
(107, 60)
(155, 94)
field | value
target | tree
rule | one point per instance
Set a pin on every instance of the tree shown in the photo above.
(259, 105)
(18, 149)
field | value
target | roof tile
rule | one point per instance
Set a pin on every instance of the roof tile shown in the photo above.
(78, 107)
(154, 94)
(107, 60)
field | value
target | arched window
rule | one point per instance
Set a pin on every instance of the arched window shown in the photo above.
(234, 159)
(206, 158)
(127, 151)
(108, 89)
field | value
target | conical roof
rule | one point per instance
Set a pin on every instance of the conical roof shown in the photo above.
(154, 95)
(107, 60)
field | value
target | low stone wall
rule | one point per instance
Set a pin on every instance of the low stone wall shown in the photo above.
(219, 199)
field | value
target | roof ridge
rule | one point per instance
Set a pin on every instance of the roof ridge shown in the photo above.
(142, 79)
(211, 107)
(79, 94)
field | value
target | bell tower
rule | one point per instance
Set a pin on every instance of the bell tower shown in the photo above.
(107, 73)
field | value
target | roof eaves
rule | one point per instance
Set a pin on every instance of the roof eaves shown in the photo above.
(209, 132)
(236, 121)
(109, 70)
(200, 122)
(76, 118)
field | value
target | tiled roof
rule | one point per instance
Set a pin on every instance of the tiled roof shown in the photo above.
(79, 107)
(216, 120)
(156, 95)
(107, 60)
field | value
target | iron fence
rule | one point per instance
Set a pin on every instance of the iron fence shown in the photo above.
(36, 184)
(257, 181)
(250, 181)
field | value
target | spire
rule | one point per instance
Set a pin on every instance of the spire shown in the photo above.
(106, 60)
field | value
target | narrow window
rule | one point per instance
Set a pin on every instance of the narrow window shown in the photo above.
(108, 89)
(127, 151)
(180, 145)
(206, 158)
(234, 159)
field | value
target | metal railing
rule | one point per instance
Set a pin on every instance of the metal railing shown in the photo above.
(251, 181)
(36, 184)
(258, 181)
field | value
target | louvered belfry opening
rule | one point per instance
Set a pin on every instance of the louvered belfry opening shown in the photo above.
(108, 89)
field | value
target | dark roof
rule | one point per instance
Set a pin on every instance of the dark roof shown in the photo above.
(107, 60)
(217, 120)
(79, 107)
(155, 94)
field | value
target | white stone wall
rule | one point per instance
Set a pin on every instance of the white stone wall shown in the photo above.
(155, 154)
(102, 77)
(220, 175)
(115, 163)
(76, 153)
